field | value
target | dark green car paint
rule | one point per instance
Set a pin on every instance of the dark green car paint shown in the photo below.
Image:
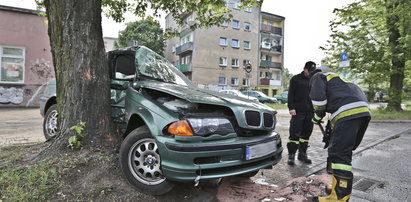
(188, 158)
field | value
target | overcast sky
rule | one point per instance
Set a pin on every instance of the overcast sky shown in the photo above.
(306, 26)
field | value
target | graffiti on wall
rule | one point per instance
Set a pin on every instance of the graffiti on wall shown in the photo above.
(41, 71)
(42, 68)
(11, 95)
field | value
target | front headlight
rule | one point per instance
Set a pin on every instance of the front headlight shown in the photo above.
(206, 126)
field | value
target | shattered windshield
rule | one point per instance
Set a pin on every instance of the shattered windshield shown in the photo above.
(151, 65)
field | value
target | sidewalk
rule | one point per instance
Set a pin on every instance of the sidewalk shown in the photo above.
(383, 173)
(20, 125)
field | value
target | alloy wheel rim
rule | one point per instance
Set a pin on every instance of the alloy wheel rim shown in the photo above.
(52, 123)
(144, 162)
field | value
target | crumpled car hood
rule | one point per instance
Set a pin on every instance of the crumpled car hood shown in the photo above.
(198, 95)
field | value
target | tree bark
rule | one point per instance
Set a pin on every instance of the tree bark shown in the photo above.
(398, 60)
(83, 87)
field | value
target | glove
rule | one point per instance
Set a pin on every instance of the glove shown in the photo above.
(316, 119)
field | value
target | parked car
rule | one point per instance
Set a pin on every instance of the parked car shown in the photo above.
(263, 98)
(282, 97)
(174, 131)
(238, 93)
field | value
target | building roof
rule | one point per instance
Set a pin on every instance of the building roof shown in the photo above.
(21, 10)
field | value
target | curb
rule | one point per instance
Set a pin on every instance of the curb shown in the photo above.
(321, 166)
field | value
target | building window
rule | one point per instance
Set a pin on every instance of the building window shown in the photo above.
(224, 24)
(236, 24)
(234, 81)
(223, 41)
(227, 3)
(234, 62)
(248, 9)
(185, 60)
(235, 43)
(247, 45)
(222, 81)
(246, 62)
(246, 82)
(12, 64)
(223, 61)
(236, 5)
(186, 38)
(247, 26)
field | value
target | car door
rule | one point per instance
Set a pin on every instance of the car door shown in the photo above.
(122, 74)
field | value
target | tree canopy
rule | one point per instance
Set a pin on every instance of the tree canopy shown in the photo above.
(147, 32)
(376, 34)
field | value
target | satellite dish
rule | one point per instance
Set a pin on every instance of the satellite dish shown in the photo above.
(248, 68)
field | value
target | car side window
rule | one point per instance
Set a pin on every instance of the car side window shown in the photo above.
(125, 67)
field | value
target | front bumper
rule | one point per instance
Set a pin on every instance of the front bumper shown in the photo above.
(187, 161)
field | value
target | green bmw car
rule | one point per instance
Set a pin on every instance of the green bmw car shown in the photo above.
(174, 131)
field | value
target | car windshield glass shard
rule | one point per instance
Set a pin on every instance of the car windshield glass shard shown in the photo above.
(152, 65)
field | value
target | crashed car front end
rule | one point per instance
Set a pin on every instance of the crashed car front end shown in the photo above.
(202, 134)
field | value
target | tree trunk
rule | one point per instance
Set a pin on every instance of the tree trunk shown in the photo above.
(83, 89)
(398, 60)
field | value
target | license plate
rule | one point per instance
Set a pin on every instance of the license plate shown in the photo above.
(259, 150)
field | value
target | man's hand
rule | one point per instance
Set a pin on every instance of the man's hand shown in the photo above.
(316, 119)
(293, 112)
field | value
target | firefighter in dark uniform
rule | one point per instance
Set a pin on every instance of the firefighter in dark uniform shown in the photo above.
(301, 111)
(349, 118)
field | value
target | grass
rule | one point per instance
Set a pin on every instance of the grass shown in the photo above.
(278, 106)
(25, 183)
(379, 114)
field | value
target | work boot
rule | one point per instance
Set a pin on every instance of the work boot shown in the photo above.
(302, 153)
(291, 158)
(292, 147)
(341, 188)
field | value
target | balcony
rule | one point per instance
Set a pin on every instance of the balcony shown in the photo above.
(184, 67)
(271, 29)
(269, 64)
(187, 47)
(270, 82)
(269, 48)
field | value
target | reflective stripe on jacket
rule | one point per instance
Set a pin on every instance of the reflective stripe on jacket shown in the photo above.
(331, 93)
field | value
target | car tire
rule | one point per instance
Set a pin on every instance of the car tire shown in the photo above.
(280, 102)
(141, 164)
(50, 128)
(249, 174)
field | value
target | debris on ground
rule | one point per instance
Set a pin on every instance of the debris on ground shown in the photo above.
(297, 190)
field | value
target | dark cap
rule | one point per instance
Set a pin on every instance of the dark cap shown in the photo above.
(310, 66)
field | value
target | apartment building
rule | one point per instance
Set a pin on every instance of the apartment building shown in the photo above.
(215, 57)
(271, 53)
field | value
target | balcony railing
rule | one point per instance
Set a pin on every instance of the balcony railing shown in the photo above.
(271, 29)
(269, 64)
(270, 82)
(184, 48)
(184, 67)
(275, 49)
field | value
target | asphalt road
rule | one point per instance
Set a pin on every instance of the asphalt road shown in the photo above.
(381, 164)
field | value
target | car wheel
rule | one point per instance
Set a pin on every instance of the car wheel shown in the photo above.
(249, 174)
(50, 129)
(280, 102)
(141, 163)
